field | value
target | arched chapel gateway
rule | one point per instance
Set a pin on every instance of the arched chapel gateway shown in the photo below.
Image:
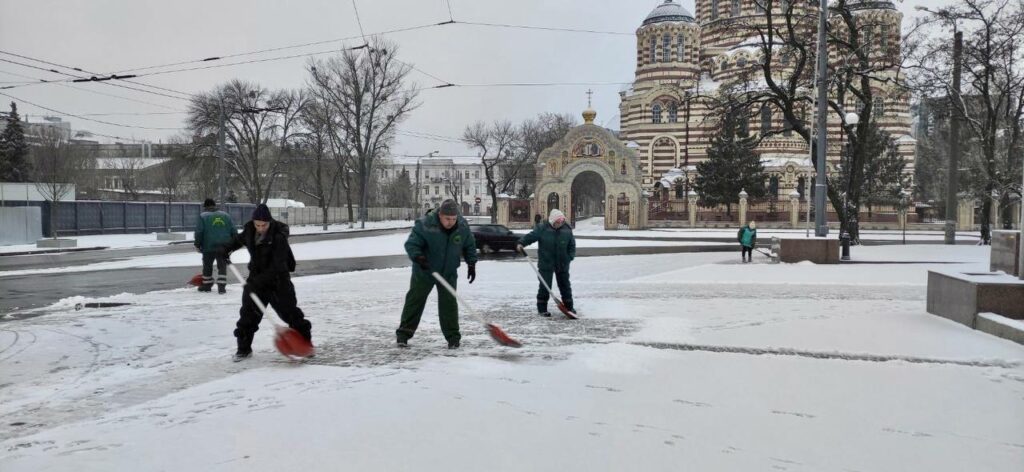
(587, 173)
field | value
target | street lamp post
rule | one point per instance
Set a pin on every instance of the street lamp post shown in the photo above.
(821, 223)
(851, 120)
(904, 204)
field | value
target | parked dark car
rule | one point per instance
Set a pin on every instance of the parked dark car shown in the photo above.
(494, 238)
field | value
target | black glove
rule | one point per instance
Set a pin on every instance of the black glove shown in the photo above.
(520, 249)
(472, 273)
(422, 261)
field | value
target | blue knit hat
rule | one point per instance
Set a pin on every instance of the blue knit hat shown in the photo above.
(261, 213)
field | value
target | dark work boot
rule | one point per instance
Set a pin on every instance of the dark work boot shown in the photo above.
(222, 289)
(402, 342)
(244, 347)
(205, 287)
(453, 344)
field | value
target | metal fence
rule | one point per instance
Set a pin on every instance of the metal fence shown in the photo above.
(336, 215)
(84, 217)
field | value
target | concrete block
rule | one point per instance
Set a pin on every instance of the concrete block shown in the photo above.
(816, 250)
(57, 243)
(1000, 326)
(20, 225)
(1005, 252)
(170, 236)
(960, 296)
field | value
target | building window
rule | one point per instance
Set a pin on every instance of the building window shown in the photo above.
(868, 38)
(785, 5)
(741, 62)
(766, 119)
(666, 48)
(680, 48)
(467, 174)
(654, 51)
(759, 5)
(878, 108)
(884, 38)
(735, 7)
(426, 190)
(437, 190)
(656, 114)
(744, 124)
(673, 113)
(467, 190)
(785, 59)
(476, 174)
(426, 174)
(714, 9)
(725, 64)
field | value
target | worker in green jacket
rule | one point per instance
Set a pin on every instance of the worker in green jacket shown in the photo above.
(436, 244)
(214, 230)
(747, 237)
(556, 248)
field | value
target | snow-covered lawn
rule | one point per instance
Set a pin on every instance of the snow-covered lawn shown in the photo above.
(122, 241)
(681, 362)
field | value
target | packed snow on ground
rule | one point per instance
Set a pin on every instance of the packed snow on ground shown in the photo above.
(122, 241)
(691, 361)
(389, 245)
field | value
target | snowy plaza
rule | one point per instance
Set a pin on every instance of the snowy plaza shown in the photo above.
(512, 236)
(688, 361)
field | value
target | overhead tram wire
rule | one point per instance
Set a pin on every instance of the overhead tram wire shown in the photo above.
(36, 80)
(74, 78)
(184, 96)
(274, 49)
(451, 21)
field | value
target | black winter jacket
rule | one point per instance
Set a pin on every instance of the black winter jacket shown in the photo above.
(270, 257)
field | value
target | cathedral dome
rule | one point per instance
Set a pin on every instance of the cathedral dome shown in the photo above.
(668, 11)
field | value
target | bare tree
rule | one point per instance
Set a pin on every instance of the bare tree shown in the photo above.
(536, 135)
(784, 82)
(259, 126)
(454, 184)
(496, 145)
(991, 104)
(128, 169)
(366, 89)
(57, 164)
(319, 172)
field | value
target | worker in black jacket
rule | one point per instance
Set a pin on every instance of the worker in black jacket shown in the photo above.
(270, 264)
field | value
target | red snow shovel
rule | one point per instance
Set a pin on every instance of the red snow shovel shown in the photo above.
(494, 330)
(196, 280)
(288, 341)
(561, 306)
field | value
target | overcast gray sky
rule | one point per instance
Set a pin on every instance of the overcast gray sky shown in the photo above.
(111, 35)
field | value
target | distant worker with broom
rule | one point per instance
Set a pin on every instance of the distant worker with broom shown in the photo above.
(747, 237)
(214, 229)
(556, 248)
(436, 243)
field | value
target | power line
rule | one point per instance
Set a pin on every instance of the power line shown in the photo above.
(349, 38)
(88, 90)
(88, 72)
(358, 21)
(543, 28)
(274, 49)
(84, 118)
